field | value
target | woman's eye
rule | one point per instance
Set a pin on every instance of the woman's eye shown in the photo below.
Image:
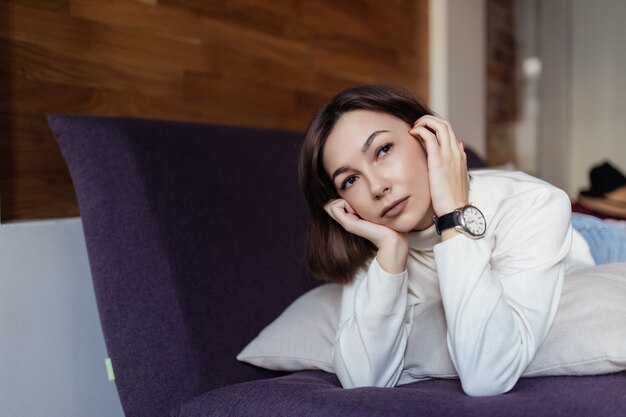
(347, 183)
(385, 149)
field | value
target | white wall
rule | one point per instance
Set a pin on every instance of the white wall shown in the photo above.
(598, 100)
(51, 346)
(457, 67)
(554, 146)
(525, 128)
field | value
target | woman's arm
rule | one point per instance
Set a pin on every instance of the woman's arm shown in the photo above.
(372, 336)
(500, 295)
(373, 329)
(499, 303)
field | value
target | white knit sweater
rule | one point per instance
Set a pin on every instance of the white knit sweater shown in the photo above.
(500, 293)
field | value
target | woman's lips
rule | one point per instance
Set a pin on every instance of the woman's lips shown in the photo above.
(396, 208)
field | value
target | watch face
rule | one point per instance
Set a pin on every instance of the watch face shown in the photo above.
(474, 221)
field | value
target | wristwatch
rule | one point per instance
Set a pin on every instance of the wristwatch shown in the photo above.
(467, 220)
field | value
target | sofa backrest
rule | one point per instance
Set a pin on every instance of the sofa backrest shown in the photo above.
(195, 237)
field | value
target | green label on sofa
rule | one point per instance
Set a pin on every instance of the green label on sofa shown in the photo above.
(109, 366)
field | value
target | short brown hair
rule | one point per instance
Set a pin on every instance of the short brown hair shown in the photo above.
(332, 253)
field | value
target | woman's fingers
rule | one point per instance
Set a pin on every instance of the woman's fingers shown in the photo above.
(440, 129)
(429, 138)
(443, 130)
(349, 209)
(344, 214)
(439, 138)
(338, 209)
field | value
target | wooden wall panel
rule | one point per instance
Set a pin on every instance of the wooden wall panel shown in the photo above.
(261, 63)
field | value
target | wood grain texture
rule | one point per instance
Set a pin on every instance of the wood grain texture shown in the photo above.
(259, 63)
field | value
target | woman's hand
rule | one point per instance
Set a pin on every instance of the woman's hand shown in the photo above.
(447, 164)
(393, 246)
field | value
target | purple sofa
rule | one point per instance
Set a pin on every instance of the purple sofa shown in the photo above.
(195, 237)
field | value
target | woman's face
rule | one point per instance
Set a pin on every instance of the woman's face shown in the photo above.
(376, 162)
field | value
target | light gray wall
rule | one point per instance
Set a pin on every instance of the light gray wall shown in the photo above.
(554, 147)
(457, 67)
(51, 346)
(467, 73)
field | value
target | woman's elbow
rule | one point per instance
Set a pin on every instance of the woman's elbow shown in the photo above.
(494, 374)
(364, 376)
(364, 380)
(361, 372)
(477, 385)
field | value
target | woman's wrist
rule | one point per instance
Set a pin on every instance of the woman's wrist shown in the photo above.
(450, 207)
(392, 254)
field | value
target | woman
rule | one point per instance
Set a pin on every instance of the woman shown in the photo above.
(396, 218)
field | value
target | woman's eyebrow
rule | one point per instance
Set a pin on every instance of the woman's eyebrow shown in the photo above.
(364, 149)
(339, 171)
(369, 140)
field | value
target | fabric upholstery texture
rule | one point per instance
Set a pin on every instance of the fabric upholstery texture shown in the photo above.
(319, 394)
(195, 238)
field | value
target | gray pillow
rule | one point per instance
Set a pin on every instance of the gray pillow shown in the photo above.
(588, 335)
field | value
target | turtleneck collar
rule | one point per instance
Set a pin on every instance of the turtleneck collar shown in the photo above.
(424, 240)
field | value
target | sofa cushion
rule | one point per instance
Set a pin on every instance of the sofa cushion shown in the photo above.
(316, 394)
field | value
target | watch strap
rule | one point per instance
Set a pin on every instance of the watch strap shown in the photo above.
(446, 221)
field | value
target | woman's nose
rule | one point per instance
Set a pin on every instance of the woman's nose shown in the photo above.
(380, 187)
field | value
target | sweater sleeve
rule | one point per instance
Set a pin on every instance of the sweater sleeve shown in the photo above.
(373, 329)
(500, 295)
